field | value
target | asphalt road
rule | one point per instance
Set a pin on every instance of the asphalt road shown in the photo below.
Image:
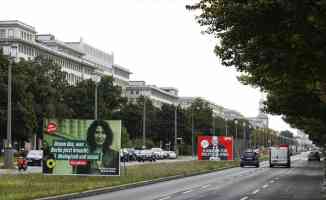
(301, 182)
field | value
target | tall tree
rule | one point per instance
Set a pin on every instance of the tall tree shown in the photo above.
(81, 98)
(278, 45)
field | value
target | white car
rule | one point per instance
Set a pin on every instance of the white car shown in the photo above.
(172, 154)
(159, 153)
(34, 157)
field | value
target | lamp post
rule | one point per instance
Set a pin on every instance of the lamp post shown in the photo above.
(96, 78)
(192, 131)
(244, 135)
(12, 54)
(250, 140)
(144, 124)
(236, 136)
(226, 127)
(176, 130)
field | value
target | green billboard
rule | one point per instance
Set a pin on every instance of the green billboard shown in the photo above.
(81, 147)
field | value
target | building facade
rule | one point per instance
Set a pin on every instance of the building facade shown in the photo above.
(186, 102)
(79, 60)
(158, 96)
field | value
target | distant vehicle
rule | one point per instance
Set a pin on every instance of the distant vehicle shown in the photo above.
(145, 155)
(279, 156)
(249, 158)
(172, 154)
(34, 157)
(314, 155)
(131, 154)
(124, 156)
(159, 153)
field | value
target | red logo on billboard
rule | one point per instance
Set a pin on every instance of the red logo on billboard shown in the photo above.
(52, 127)
(78, 162)
(215, 148)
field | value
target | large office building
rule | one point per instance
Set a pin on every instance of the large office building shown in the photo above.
(158, 95)
(79, 60)
(186, 102)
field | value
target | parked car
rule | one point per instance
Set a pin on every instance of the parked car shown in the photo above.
(131, 154)
(249, 158)
(314, 155)
(145, 155)
(172, 154)
(159, 153)
(34, 157)
(124, 156)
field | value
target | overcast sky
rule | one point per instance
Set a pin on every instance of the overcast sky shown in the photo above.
(158, 40)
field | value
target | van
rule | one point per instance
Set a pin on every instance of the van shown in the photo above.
(279, 156)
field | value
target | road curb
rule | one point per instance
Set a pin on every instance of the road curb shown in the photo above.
(127, 186)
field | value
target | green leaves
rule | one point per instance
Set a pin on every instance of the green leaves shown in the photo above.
(279, 46)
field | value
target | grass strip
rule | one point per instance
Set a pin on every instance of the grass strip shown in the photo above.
(30, 186)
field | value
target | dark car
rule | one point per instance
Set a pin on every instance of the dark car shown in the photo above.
(314, 155)
(249, 159)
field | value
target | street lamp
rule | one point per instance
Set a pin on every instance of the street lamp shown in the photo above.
(250, 140)
(226, 127)
(236, 136)
(244, 135)
(96, 78)
(176, 130)
(192, 130)
(144, 124)
(11, 52)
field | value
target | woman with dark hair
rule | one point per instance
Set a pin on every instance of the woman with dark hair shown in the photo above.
(99, 141)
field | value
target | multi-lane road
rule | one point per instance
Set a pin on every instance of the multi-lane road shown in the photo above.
(301, 182)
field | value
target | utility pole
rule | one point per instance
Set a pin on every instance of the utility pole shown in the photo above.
(226, 127)
(213, 124)
(192, 133)
(144, 124)
(175, 130)
(96, 103)
(8, 162)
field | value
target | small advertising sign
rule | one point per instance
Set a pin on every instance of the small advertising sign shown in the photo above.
(215, 148)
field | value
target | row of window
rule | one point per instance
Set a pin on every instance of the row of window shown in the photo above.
(97, 53)
(154, 93)
(30, 51)
(9, 33)
(121, 73)
(6, 33)
(26, 36)
(73, 79)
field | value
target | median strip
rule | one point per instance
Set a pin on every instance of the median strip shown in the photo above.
(33, 186)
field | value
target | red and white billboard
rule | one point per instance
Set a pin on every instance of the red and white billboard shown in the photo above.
(215, 148)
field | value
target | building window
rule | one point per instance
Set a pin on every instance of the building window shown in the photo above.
(10, 33)
(2, 33)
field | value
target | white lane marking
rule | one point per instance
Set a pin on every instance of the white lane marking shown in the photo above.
(244, 198)
(164, 198)
(265, 186)
(256, 191)
(205, 186)
(185, 192)
(272, 181)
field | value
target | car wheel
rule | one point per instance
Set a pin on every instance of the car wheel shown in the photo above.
(271, 166)
(257, 166)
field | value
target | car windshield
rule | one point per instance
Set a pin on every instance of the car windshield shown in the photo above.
(249, 154)
(35, 154)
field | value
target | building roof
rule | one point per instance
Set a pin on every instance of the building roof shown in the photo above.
(17, 23)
